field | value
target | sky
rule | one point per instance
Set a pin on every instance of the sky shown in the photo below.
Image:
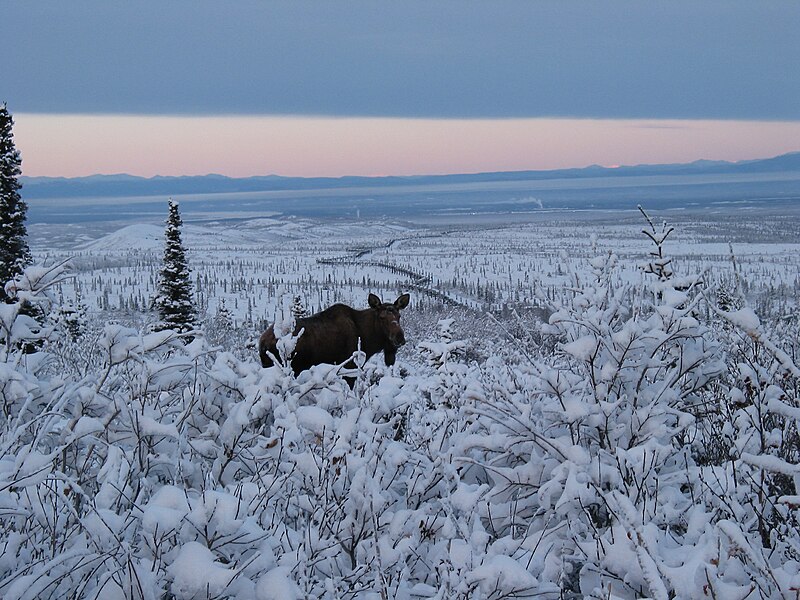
(367, 88)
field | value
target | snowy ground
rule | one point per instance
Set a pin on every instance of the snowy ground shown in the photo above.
(257, 265)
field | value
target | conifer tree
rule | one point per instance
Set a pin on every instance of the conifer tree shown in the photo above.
(224, 318)
(298, 308)
(70, 317)
(14, 252)
(174, 300)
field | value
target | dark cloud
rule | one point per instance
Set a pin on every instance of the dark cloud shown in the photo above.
(676, 59)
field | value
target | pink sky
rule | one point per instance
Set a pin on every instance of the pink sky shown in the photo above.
(239, 146)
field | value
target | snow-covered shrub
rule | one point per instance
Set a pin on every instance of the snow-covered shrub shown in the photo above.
(589, 450)
(444, 355)
(641, 443)
(78, 468)
(754, 488)
(22, 319)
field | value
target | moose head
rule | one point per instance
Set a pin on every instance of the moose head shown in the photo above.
(387, 324)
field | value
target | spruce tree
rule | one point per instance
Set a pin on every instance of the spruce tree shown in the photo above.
(14, 252)
(224, 318)
(298, 309)
(174, 300)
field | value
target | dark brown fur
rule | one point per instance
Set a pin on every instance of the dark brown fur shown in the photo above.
(331, 336)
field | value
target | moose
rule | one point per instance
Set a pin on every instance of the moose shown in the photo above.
(333, 335)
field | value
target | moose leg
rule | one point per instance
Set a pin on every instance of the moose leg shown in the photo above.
(389, 356)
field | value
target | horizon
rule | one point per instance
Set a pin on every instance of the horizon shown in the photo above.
(412, 175)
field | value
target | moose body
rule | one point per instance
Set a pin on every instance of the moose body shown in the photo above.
(332, 336)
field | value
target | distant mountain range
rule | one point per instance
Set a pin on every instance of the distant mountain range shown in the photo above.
(129, 185)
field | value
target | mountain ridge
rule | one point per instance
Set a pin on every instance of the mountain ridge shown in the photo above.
(122, 184)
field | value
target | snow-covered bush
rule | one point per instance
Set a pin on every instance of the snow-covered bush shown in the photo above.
(641, 443)
(592, 454)
(753, 489)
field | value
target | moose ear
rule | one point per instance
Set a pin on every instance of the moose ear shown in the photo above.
(374, 301)
(402, 301)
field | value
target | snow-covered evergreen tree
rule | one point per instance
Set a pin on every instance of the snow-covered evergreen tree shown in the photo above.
(174, 300)
(14, 252)
(71, 317)
(298, 308)
(224, 318)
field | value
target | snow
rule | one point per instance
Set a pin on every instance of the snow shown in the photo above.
(166, 510)
(315, 419)
(582, 348)
(139, 237)
(745, 318)
(120, 343)
(277, 584)
(195, 571)
(87, 426)
(502, 573)
(150, 427)
(600, 433)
